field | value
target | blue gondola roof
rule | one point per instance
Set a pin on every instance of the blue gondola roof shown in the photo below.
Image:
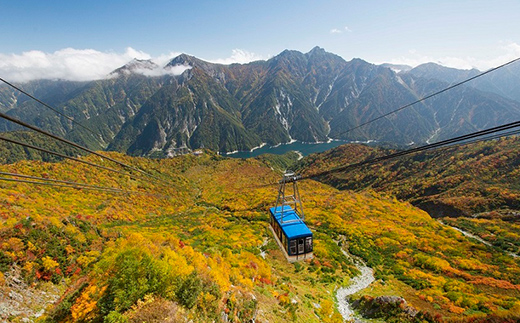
(292, 230)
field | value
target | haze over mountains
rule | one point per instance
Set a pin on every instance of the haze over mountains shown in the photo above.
(145, 109)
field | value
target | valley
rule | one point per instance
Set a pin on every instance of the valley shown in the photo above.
(181, 232)
(260, 161)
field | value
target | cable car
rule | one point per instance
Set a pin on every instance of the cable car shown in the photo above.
(287, 223)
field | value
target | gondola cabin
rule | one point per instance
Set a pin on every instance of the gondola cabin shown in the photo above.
(287, 223)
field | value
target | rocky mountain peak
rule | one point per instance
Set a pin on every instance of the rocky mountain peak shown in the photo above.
(134, 66)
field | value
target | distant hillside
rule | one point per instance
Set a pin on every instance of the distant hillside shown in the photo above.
(145, 110)
(11, 152)
(504, 82)
(455, 181)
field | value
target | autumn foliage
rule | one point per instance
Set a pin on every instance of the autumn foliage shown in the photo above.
(199, 247)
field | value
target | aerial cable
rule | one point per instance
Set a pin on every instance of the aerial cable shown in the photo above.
(53, 184)
(70, 184)
(428, 96)
(497, 136)
(24, 124)
(418, 149)
(79, 185)
(109, 190)
(75, 185)
(461, 140)
(48, 106)
(16, 142)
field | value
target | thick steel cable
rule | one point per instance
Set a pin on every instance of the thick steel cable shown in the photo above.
(68, 142)
(60, 181)
(16, 142)
(61, 185)
(418, 149)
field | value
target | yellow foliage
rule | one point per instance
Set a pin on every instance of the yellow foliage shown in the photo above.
(15, 244)
(85, 305)
(29, 266)
(49, 264)
(81, 237)
(9, 223)
(56, 222)
(31, 247)
(327, 312)
(69, 249)
(177, 262)
(84, 261)
(220, 237)
(71, 230)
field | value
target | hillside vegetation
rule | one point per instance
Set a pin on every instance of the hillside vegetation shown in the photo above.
(454, 181)
(473, 187)
(199, 249)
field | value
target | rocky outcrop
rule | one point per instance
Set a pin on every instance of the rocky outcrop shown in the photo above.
(27, 303)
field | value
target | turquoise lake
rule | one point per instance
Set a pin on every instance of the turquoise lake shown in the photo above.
(301, 147)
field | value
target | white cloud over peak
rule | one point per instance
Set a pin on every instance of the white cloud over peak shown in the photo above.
(335, 31)
(68, 64)
(238, 56)
(90, 64)
(169, 70)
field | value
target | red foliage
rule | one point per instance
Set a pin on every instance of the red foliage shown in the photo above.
(327, 264)
(265, 281)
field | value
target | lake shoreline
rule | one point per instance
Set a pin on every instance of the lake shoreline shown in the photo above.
(303, 148)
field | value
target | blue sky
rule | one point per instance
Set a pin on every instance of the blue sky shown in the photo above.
(462, 34)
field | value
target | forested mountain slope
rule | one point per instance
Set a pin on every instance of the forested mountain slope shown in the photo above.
(148, 110)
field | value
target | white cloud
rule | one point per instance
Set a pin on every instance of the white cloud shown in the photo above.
(68, 64)
(340, 31)
(505, 53)
(169, 70)
(89, 64)
(238, 56)
(75, 64)
(164, 59)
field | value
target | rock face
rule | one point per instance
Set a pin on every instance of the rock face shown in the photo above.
(17, 299)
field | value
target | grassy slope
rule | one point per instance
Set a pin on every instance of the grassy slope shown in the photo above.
(453, 181)
(202, 236)
(479, 181)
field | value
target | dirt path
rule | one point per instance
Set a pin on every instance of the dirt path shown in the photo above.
(357, 284)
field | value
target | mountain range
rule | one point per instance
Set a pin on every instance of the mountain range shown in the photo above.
(149, 110)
